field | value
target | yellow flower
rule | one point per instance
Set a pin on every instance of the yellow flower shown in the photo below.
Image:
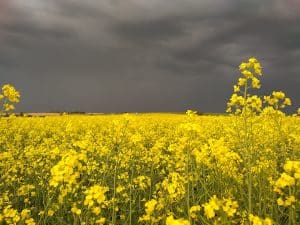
(50, 212)
(285, 180)
(255, 220)
(150, 206)
(11, 93)
(255, 83)
(230, 207)
(101, 221)
(242, 81)
(171, 221)
(25, 213)
(243, 66)
(280, 201)
(247, 74)
(193, 211)
(211, 207)
(30, 221)
(8, 107)
(75, 210)
(96, 210)
(236, 88)
(268, 221)
(287, 101)
(257, 69)
(142, 181)
(252, 60)
(278, 94)
(290, 200)
(120, 189)
(9, 212)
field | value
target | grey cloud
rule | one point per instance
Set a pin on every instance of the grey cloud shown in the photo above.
(36, 32)
(145, 55)
(149, 31)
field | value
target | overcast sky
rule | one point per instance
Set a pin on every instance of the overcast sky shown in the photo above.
(145, 55)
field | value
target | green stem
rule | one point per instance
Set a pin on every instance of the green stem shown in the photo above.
(188, 182)
(248, 153)
(130, 196)
(114, 196)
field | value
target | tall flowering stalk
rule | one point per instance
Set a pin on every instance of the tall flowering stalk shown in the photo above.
(247, 105)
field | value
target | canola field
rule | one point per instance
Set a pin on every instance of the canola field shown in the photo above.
(154, 169)
(149, 168)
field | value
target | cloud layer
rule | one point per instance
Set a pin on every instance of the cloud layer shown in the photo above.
(140, 55)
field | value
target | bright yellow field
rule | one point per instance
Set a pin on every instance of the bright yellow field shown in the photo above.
(150, 169)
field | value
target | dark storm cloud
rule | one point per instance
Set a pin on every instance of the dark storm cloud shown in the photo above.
(27, 29)
(149, 31)
(144, 55)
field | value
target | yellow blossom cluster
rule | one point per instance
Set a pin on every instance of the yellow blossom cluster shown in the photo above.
(150, 207)
(214, 205)
(288, 185)
(194, 210)
(95, 194)
(171, 221)
(255, 220)
(67, 171)
(250, 71)
(277, 100)
(242, 101)
(12, 216)
(8, 97)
